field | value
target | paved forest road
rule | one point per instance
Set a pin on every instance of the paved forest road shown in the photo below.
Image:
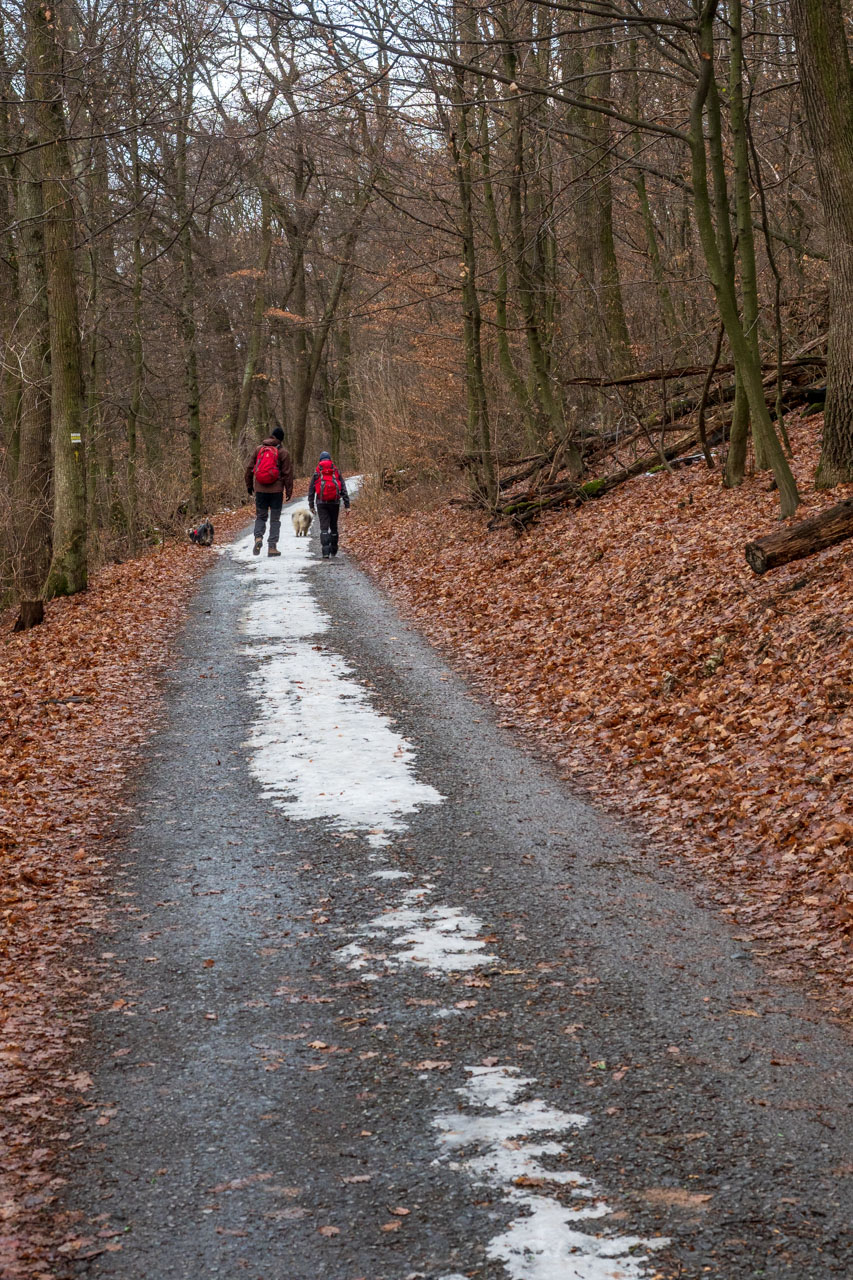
(390, 1003)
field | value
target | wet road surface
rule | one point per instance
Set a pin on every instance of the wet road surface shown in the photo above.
(384, 1001)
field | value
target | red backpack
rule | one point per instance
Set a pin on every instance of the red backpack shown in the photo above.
(266, 469)
(328, 482)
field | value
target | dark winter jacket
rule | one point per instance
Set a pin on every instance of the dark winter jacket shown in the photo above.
(284, 484)
(312, 488)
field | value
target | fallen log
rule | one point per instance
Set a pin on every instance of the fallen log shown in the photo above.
(803, 539)
(795, 397)
(685, 371)
(526, 507)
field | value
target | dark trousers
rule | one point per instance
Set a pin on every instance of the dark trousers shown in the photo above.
(327, 513)
(268, 502)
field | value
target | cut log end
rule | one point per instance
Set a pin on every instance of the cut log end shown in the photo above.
(756, 557)
(823, 530)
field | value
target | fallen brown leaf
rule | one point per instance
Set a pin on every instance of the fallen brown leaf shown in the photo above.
(676, 1198)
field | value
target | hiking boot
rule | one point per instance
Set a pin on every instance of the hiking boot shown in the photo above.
(256, 549)
(273, 551)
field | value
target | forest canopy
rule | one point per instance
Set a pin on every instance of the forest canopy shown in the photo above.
(535, 241)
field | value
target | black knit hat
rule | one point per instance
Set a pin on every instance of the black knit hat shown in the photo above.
(278, 433)
(325, 457)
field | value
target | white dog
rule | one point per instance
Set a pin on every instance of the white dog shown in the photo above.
(302, 522)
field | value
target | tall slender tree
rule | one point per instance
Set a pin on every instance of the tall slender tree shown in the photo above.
(827, 84)
(68, 571)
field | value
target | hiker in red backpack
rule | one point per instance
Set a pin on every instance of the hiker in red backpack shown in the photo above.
(328, 490)
(269, 475)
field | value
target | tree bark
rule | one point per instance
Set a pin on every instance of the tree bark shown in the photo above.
(717, 248)
(10, 382)
(599, 70)
(32, 487)
(738, 439)
(587, 60)
(500, 288)
(137, 350)
(256, 331)
(827, 85)
(68, 571)
(745, 249)
(461, 145)
(187, 308)
(803, 539)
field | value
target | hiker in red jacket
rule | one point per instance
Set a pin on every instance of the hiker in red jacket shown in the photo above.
(269, 475)
(327, 490)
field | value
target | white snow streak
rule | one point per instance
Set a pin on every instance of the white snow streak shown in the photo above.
(437, 938)
(319, 748)
(321, 751)
(544, 1242)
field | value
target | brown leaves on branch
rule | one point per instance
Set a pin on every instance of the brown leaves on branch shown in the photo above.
(78, 696)
(633, 642)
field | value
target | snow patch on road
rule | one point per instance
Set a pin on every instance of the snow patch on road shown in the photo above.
(320, 750)
(437, 938)
(494, 1141)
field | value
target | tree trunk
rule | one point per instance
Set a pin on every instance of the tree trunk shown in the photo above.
(311, 351)
(501, 286)
(804, 539)
(716, 245)
(743, 205)
(256, 331)
(738, 439)
(32, 487)
(187, 309)
(30, 614)
(599, 66)
(96, 257)
(825, 74)
(337, 390)
(137, 355)
(479, 441)
(69, 566)
(587, 65)
(10, 382)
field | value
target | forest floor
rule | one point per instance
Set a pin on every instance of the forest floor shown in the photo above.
(627, 639)
(79, 695)
(632, 642)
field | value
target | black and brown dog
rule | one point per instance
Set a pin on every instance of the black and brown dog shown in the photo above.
(202, 535)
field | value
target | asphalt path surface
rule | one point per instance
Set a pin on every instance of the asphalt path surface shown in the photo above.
(384, 1000)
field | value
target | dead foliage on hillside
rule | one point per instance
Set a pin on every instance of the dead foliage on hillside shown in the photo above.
(630, 638)
(78, 697)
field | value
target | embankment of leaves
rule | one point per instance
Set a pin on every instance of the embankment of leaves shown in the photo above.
(78, 698)
(631, 640)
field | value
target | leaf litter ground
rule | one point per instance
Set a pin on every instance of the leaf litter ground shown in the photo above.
(630, 639)
(79, 695)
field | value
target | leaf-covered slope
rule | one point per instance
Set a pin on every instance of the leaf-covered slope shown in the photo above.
(633, 641)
